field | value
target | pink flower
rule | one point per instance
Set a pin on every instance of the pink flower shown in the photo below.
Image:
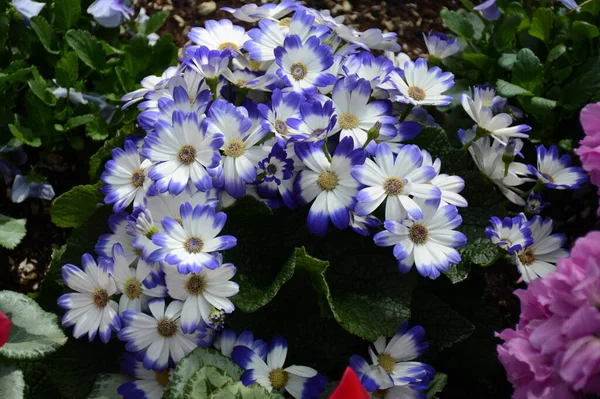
(589, 149)
(554, 351)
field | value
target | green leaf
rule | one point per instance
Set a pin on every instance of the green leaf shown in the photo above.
(458, 23)
(79, 120)
(34, 332)
(66, 13)
(508, 90)
(484, 202)
(66, 71)
(506, 33)
(106, 386)
(39, 87)
(12, 231)
(582, 30)
(435, 140)
(154, 22)
(459, 272)
(99, 158)
(125, 79)
(477, 24)
(445, 327)
(516, 8)
(556, 53)
(477, 59)
(437, 385)
(4, 28)
(541, 25)
(87, 47)
(73, 208)
(12, 385)
(138, 54)
(507, 60)
(583, 86)
(97, 129)
(481, 252)
(25, 135)
(528, 71)
(193, 362)
(205, 381)
(541, 108)
(239, 391)
(44, 32)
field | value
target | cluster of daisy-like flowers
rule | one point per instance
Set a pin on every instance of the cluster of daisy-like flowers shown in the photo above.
(554, 351)
(296, 111)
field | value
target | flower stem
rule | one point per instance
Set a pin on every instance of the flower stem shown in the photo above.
(406, 112)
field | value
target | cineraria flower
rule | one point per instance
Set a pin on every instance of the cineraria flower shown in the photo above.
(375, 39)
(315, 122)
(277, 168)
(284, 106)
(439, 46)
(303, 66)
(252, 12)
(149, 84)
(200, 292)
(366, 66)
(395, 181)
(399, 60)
(182, 153)
(329, 182)
(489, 10)
(110, 13)
(148, 384)
(240, 155)
(449, 186)
(535, 203)
(130, 282)
(28, 8)
(125, 177)
(209, 63)
(90, 308)
(299, 381)
(117, 223)
(24, 187)
(220, 35)
(422, 86)
(392, 363)
(191, 244)
(268, 36)
(512, 234)
(428, 243)
(557, 172)
(488, 124)
(356, 115)
(361, 224)
(571, 5)
(539, 258)
(158, 336)
(226, 341)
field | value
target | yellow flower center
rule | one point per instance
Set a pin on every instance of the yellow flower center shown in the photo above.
(235, 148)
(416, 93)
(278, 378)
(132, 288)
(527, 257)
(162, 377)
(255, 65)
(281, 127)
(100, 298)
(137, 178)
(228, 45)
(298, 71)
(418, 234)
(381, 393)
(386, 362)
(166, 328)
(195, 284)
(327, 180)
(187, 154)
(393, 186)
(193, 245)
(348, 121)
(285, 21)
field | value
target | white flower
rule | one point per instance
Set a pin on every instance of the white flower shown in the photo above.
(220, 35)
(422, 86)
(110, 13)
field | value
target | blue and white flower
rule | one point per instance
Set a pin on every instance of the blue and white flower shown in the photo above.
(393, 365)
(539, 258)
(366, 66)
(227, 340)
(149, 84)
(512, 234)
(399, 59)
(126, 177)
(220, 35)
(361, 224)
(429, 242)
(439, 46)
(24, 187)
(299, 381)
(268, 36)
(158, 336)
(277, 170)
(240, 155)
(283, 107)
(209, 63)
(489, 10)
(252, 12)
(90, 308)
(181, 153)
(201, 293)
(556, 171)
(571, 5)
(130, 282)
(375, 39)
(535, 203)
(303, 66)
(421, 85)
(328, 183)
(356, 115)
(192, 244)
(117, 223)
(28, 8)
(148, 384)
(316, 121)
(450, 186)
(110, 13)
(395, 181)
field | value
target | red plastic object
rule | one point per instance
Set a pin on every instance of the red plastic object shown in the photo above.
(4, 328)
(350, 387)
